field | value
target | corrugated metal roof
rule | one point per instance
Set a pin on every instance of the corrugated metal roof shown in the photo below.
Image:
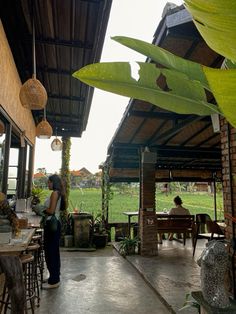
(69, 34)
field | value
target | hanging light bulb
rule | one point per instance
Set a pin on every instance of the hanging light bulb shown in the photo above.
(44, 129)
(33, 95)
(56, 144)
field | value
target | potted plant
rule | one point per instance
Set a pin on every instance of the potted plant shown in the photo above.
(36, 193)
(190, 302)
(128, 246)
(100, 234)
(67, 229)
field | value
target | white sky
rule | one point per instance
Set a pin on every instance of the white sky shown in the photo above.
(133, 18)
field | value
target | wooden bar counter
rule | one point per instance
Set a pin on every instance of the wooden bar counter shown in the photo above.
(19, 244)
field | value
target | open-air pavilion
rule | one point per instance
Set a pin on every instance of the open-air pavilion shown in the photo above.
(150, 144)
(153, 145)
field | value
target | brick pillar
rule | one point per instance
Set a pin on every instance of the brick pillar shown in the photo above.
(228, 151)
(147, 218)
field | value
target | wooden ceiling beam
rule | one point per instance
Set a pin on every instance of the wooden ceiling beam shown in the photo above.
(164, 175)
(179, 127)
(73, 98)
(196, 134)
(162, 149)
(159, 115)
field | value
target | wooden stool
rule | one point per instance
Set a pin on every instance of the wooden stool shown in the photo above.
(27, 262)
(28, 266)
(38, 238)
(34, 249)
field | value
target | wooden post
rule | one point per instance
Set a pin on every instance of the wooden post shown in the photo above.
(147, 213)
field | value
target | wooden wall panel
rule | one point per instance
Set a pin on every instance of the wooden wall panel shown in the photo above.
(10, 85)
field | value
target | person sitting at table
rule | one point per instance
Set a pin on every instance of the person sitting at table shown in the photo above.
(177, 210)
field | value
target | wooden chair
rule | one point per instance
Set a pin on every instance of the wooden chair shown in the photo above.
(215, 230)
(179, 224)
(205, 228)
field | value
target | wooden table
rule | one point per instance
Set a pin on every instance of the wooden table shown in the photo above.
(11, 266)
(18, 245)
(136, 213)
(130, 215)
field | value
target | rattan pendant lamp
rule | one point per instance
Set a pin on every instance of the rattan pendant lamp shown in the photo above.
(33, 95)
(56, 144)
(44, 129)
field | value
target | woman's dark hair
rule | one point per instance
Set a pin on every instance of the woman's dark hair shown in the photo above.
(178, 200)
(57, 185)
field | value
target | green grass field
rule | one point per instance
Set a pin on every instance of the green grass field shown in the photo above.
(90, 200)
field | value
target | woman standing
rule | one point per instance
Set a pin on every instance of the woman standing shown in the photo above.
(52, 230)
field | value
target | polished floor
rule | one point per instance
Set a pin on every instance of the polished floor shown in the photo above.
(103, 282)
(100, 282)
(173, 274)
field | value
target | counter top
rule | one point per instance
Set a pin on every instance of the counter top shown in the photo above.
(18, 244)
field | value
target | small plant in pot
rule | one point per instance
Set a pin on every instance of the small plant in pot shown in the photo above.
(100, 235)
(128, 246)
(36, 193)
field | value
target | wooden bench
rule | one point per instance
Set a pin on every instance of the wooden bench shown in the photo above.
(180, 224)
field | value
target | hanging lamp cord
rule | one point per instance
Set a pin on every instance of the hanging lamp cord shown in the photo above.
(44, 113)
(33, 42)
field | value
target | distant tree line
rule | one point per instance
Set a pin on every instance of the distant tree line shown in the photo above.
(83, 180)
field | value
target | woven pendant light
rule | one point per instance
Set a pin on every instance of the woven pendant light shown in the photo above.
(2, 128)
(44, 129)
(56, 144)
(33, 95)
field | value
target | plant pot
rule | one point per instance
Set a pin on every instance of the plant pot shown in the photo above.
(130, 250)
(100, 240)
(82, 229)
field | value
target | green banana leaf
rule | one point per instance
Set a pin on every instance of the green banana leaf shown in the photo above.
(192, 69)
(229, 64)
(178, 93)
(209, 78)
(216, 21)
(223, 84)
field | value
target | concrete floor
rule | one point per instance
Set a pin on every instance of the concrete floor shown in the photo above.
(103, 282)
(100, 282)
(173, 273)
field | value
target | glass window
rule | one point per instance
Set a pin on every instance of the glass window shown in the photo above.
(13, 171)
(2, 149)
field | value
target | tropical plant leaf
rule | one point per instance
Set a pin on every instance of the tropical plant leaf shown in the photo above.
(192, 69)
(216, 21)
(164, 88)
(229, 64)
(224, 93)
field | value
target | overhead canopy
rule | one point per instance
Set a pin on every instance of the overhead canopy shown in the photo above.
(186, 146)
(69, 34)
